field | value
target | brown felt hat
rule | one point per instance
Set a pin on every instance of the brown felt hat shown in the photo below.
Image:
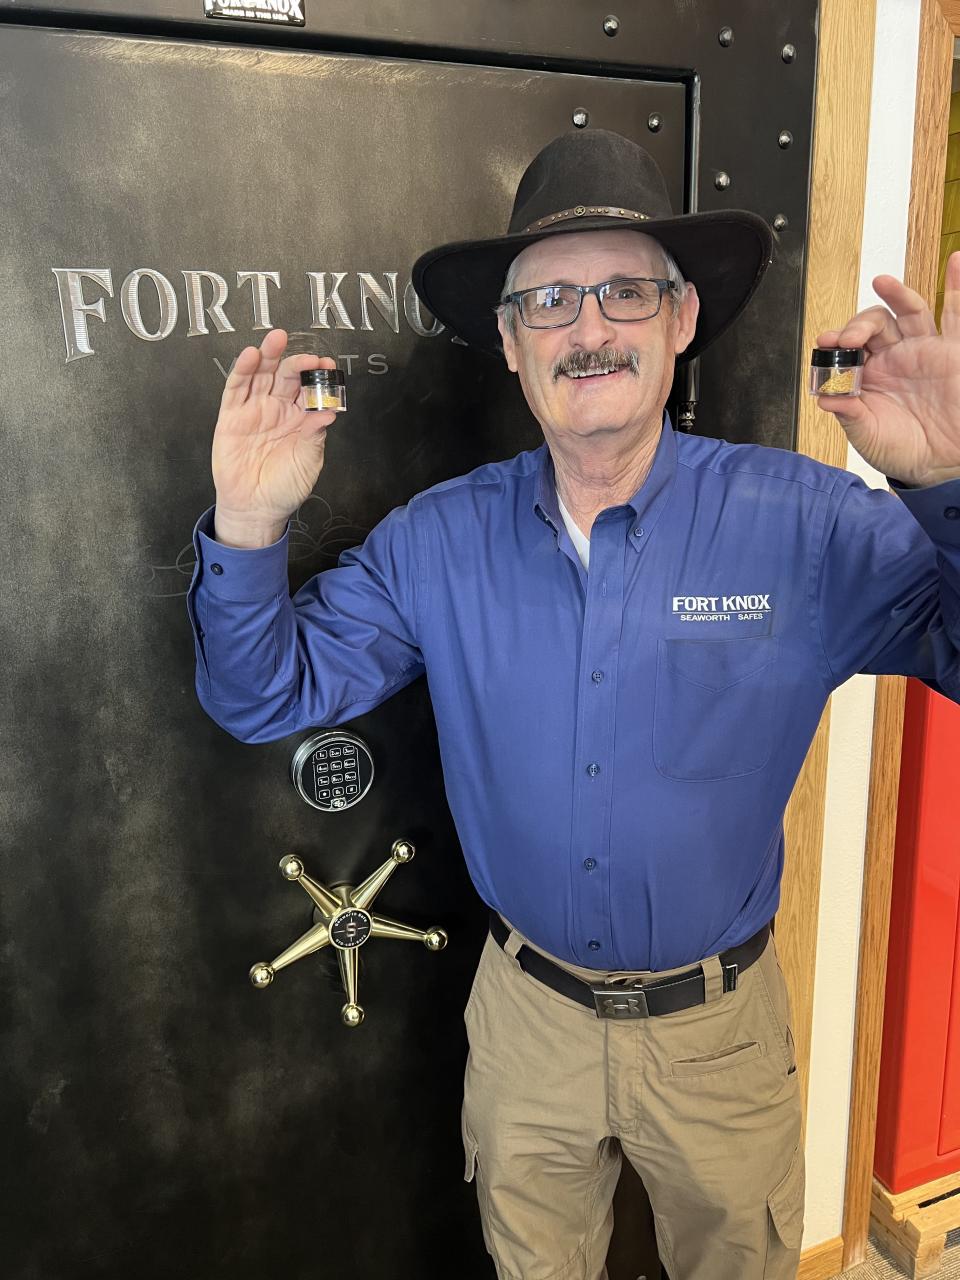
(595, 180)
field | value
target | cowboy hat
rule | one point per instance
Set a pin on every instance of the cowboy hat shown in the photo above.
(596, 180)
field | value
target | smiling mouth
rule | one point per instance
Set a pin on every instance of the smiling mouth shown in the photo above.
(594, 374)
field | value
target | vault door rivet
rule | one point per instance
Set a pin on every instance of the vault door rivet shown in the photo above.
(654, 122)
(581, 118)
(725, 36)
(611, 24)
(788, 52)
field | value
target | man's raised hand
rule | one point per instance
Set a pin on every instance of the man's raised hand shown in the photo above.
(906, 422)
(267, 449)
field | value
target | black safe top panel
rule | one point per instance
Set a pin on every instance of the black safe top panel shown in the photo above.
(747, 70)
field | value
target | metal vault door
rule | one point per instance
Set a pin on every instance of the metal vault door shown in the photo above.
(164, 200)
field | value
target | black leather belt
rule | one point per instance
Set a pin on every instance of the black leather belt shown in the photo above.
(636, 999)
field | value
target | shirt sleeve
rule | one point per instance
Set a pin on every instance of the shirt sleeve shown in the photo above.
(889, 583)
(269, 664)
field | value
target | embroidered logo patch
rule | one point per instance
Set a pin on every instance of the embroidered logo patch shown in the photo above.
(746, 608)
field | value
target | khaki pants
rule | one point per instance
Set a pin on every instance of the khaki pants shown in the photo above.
(704, 1103)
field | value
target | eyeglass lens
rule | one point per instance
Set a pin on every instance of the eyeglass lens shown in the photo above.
(556, 304)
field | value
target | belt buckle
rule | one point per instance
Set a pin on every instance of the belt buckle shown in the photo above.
(621, 1002)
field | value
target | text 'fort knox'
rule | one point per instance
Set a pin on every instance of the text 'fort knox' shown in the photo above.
(150, 305)
(721, 608)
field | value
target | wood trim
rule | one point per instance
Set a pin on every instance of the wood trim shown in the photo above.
(872, 973)
(939, 21)
(822, 1261)
(841, 128)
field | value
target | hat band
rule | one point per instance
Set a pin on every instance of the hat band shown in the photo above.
(604, 210)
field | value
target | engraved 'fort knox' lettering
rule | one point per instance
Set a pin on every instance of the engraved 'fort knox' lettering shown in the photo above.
(206, 295)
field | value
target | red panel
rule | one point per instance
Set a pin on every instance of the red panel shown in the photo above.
(918, 1120)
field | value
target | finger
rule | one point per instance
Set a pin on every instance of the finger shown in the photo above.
(286, 385)
(874, 329)
(913, 315)
(950, 315)
(237, 386)
(271, 349)
(829, 338)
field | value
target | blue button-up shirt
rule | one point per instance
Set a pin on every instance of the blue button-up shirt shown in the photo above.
(618, 746)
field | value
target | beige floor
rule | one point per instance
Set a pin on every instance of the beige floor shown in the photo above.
(880, 1266)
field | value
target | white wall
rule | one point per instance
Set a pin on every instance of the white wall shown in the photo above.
(889, 160)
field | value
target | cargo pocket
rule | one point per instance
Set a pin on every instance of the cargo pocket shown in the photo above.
(785, 1203)
(714, 710)
(473, 1173)
(470, 1153)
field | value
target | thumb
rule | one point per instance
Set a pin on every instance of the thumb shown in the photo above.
(850, 411)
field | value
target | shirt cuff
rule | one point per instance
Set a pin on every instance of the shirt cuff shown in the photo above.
(235, 573)
(936, 508)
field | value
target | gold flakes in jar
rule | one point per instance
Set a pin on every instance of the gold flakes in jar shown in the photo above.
(841, 383)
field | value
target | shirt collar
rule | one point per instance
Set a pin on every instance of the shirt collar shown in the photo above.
(646, 504)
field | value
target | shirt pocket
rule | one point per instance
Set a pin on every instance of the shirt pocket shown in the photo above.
(714, 707)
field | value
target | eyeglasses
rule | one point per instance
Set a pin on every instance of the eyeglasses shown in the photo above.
(550, 306)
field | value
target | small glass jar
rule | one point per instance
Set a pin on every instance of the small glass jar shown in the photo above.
(836, 371)
(324, 389)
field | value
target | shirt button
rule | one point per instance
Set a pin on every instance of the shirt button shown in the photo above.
(597, 677)
(217, 569)
(952, 513)
(593, 770)
(638, 532)
(589, 863)
(593, 944)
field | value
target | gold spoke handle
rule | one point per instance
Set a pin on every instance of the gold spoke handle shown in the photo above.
(346, 923)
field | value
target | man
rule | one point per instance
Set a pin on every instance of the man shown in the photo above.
(640, 630)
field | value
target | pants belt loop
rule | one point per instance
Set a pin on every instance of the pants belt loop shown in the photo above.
(512, 945)
(712, 979)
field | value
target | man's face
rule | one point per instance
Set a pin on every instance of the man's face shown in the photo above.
(621, 403)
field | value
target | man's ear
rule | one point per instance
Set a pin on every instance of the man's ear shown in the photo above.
(509, 343)
(687, 319)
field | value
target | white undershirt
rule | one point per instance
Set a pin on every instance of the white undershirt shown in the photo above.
(577, 536)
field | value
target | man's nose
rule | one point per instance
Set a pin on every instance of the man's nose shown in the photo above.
(591, 328)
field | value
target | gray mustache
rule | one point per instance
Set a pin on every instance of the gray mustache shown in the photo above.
(604, 361)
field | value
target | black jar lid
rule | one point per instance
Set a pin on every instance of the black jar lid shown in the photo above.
(322, 378)
(837, 357)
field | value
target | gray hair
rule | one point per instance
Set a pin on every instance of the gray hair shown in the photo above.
(671, 272)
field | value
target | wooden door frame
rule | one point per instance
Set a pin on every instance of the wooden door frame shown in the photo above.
(844, 88)
(939, 24)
